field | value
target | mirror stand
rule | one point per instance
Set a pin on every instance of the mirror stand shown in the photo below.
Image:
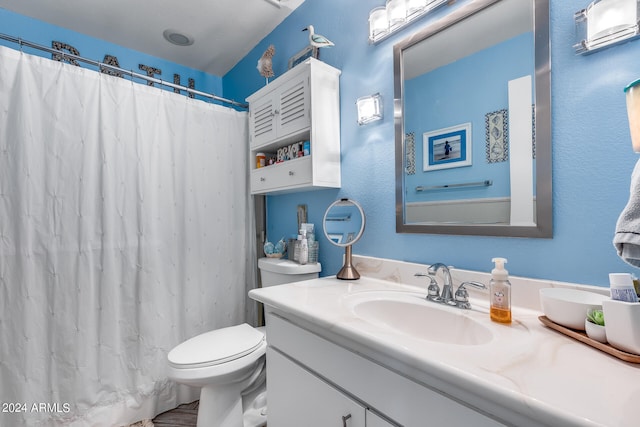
(343, 225)
(348, 271)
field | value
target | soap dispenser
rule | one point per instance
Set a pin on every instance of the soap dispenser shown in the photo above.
(500, 292)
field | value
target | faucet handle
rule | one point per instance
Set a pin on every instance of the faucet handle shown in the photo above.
(462, 295)
(433, 290)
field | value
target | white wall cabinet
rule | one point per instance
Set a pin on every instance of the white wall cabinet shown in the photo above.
(312, 381)
(301, 105)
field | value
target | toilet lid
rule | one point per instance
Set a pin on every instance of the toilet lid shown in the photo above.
(215, 347)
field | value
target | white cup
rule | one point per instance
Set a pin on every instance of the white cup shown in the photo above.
(622, 325)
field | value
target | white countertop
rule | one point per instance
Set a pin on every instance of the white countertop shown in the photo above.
(525, 369)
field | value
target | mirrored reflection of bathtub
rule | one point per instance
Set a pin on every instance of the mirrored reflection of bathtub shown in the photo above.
(463, 211)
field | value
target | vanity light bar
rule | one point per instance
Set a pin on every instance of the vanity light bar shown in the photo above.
(605, 23)
(384, 21)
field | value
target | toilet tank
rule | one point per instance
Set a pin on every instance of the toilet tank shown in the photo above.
(276, 271)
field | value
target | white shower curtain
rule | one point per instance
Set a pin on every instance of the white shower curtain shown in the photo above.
(124, 229)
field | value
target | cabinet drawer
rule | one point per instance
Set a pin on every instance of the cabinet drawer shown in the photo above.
(289, 174)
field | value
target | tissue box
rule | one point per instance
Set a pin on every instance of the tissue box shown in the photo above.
(622, 325)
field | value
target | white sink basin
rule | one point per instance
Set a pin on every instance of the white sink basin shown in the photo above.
(410, 314)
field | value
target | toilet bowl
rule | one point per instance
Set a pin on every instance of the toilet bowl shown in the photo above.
(228, 363)
(223, 363)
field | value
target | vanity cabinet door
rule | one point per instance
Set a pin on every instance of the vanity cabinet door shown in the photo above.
(299, 398)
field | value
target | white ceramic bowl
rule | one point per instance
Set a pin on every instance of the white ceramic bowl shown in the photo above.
(568, 307)
(595, 332)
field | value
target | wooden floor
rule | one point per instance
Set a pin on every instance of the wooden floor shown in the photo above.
(183, 416)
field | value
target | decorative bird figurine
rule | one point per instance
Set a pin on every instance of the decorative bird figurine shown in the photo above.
(265, 65)
(317, 40)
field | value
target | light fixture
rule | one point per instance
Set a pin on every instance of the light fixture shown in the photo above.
(378, 23)
(605, 23)
(369, 108)
(415, 6)
(396, 12)
(383, 21)
(177, 38)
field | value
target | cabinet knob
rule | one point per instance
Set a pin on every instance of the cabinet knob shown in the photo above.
(344, 420)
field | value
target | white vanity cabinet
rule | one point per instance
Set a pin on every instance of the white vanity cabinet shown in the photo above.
(313, 381)
(301, 105)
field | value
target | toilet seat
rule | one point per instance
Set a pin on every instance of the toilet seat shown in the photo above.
(216, 347)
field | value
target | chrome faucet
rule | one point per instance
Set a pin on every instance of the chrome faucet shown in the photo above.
(461, 297)
(433, 290)
(447, 289)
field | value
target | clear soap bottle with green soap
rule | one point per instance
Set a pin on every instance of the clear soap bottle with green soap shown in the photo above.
(500, 292)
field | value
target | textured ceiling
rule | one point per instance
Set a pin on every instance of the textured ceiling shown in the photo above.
(224, 31)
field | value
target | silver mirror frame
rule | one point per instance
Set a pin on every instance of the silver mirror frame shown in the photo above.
(348, 271)
(544, 196)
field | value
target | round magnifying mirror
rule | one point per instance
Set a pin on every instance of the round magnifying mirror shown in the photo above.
(343, 225)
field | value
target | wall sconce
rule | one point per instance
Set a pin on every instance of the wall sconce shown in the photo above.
(605, 23)
(369, 108)
(383, 21)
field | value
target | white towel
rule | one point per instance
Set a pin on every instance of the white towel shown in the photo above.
(627, 237)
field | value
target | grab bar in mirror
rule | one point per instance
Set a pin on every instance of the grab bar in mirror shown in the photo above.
(339, 218)
(485, 183)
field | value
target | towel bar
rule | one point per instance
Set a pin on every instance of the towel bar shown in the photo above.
(485, 183)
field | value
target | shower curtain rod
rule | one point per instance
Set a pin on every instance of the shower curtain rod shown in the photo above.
(130, 73)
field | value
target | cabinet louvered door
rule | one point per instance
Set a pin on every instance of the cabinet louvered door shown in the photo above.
(293, 112)
(263, 121)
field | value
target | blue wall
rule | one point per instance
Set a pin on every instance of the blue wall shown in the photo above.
(592, 155)
(43, 34)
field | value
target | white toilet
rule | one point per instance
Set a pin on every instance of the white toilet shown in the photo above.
(229, 362)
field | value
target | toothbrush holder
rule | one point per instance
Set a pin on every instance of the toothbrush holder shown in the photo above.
(622, 325)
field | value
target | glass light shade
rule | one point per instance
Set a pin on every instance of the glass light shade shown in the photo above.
(378, 23)
(415, 6)
(606, 22)
(396, 12)
(369, 109)
(633, 111)
(396, 15)
(607, 17)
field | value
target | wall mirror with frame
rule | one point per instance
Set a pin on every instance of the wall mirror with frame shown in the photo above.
(473, 122)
